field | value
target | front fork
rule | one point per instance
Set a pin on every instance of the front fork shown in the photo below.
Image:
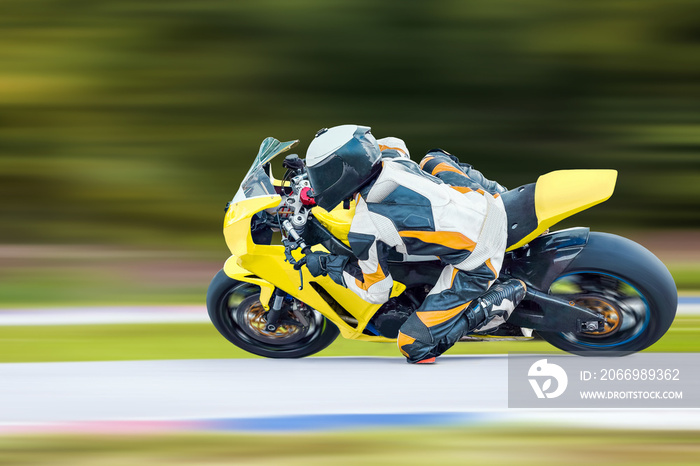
(267, 292)
(273, 317)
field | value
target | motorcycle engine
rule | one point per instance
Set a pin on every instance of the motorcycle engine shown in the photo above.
(391, 317)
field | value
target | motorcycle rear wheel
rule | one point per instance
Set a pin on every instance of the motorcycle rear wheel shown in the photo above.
(235, 310)
(625, 283)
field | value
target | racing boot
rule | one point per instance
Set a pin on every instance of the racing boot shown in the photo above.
(422, 345)
(494, 307)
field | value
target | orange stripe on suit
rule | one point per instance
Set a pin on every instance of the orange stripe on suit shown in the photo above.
(450, 239)
(404, 340)
(444, 167)
(371, 278)
(490, 266)
(433, 318)
(425, 160)
(383, 148)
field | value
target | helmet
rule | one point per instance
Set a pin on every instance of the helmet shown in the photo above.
(340, 161)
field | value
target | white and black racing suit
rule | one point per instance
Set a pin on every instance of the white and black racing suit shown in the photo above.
(438, 209)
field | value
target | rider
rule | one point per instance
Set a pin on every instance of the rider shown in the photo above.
(440, 208)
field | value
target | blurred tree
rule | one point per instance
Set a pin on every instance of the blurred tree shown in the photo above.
(132, 121)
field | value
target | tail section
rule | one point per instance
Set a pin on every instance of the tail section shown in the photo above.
(533, 208)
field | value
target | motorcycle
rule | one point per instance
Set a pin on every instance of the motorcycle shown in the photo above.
(586, 291)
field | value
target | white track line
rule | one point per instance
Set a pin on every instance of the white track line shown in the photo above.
(154, 314)
(104, 315)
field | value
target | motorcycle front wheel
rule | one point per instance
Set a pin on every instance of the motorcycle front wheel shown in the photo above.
(235, 310)
(628, 285)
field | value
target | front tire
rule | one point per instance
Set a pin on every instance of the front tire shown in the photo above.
(235, 310)
(628, 285)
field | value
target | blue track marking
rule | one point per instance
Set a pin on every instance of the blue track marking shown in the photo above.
(323, 422)
(276, 424)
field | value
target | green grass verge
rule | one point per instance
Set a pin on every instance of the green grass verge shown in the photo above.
(120, 284)
(202, 341)
(524, 445)
(686, 276)
(129, 282)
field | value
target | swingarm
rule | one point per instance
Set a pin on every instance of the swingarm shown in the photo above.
(540, 311)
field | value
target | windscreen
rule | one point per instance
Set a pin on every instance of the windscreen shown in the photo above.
(256, 182)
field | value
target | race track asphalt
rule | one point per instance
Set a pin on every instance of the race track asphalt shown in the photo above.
(270, 394)
(273, 394)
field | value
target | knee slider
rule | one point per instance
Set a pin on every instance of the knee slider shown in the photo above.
(415, 328)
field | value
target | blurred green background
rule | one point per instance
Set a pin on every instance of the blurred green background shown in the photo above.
(126, 125)
(444, 445)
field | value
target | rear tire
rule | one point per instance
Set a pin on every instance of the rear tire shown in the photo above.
(625, 282)
(235, 310)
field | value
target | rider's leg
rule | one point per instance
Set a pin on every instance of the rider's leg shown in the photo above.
(459, 303)
(446, 313)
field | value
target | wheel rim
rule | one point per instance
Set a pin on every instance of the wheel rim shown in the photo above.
(250, 316)
(613, 315)
(625, 309)
(244, 316)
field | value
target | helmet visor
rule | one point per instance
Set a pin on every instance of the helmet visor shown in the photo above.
(329, 180)
(345, 171)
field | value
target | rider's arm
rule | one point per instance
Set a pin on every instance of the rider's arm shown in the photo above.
(369, 277)
(492, 187)
(448, 168)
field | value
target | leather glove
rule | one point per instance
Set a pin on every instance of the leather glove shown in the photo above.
(316, 262)
(323, 263)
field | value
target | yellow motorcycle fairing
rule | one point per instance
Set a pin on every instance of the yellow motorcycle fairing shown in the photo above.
(337, 220)
(563, 193)
(250, 261)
